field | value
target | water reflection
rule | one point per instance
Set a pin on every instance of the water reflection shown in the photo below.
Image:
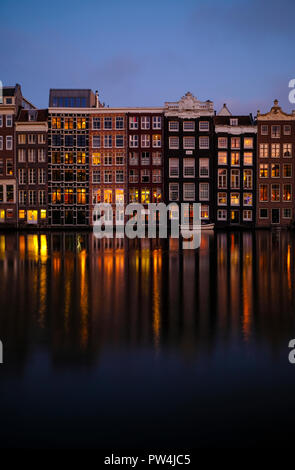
(78, 295)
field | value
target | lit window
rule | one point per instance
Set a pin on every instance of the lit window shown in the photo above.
(287, 192)
(221, 199)
(248, 158)
(204, 212)
(21, 138)
(81, 196)
(145, 196)
(275, 192)
(21, 214)
(43, 214)
(263, 150)
(263, 170)
(69, 123)
(222, 158)
(275, 170)
(234, 199)
(56, 123)
(81, 123)
(287, 150)
(222, 179)
(275, 150)
(157, 140)
(32, 216)
(247, 199)
(133, 195)
(69, 196)
(96, 198)
(235, 158)
(108, 196)
(235, 179)
(248, 179)
(235, 142)
(56, 196)
(248, 142)
(263, 192)
(96, 158)
(81, 158)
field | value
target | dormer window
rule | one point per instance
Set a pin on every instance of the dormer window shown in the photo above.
(32, 115)
(234, 122)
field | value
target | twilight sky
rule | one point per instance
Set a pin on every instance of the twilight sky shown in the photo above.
(140, 53)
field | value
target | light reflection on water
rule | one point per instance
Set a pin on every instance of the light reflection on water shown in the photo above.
(147, 292)
(101, 304)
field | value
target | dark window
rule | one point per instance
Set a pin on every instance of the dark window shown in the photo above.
(56, 217)
(9, 193)
(69, 141)
(69, 217)
(56, 140)
(81, 175)
(69, 175)
(81, 141)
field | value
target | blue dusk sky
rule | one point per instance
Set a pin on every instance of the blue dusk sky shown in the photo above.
(142, 53)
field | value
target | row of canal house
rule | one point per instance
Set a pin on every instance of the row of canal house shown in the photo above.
(57, 163)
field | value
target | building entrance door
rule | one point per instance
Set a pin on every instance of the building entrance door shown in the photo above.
(275, 216)
(235, 216)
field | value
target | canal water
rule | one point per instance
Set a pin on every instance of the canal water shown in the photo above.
(140, 344)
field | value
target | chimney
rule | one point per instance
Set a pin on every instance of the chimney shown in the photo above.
(96, 99)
